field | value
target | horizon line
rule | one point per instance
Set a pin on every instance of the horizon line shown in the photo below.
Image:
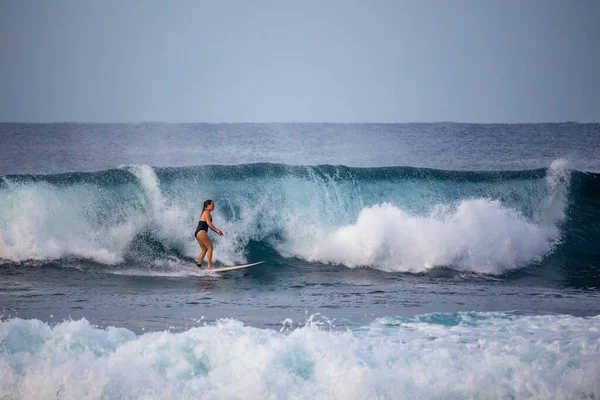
(290, 123)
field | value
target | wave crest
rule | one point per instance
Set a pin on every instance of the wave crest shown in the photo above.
(394, 219)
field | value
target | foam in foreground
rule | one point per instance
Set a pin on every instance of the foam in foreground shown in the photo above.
(467, 355)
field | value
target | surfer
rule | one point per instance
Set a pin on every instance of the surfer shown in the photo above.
(201, 233)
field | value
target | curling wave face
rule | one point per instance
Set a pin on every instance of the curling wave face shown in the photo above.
(394, 219)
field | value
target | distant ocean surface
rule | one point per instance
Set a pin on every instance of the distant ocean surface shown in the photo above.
(401, 261)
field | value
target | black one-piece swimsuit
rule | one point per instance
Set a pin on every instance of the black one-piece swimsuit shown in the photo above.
(202, 226)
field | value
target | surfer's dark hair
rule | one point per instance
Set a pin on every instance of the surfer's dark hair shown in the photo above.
(206, 204)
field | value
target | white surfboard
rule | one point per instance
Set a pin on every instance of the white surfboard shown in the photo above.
(223, 269)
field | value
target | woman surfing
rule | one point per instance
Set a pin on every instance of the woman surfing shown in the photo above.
(201, 233)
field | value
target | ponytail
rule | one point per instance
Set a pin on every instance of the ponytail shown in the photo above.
(206, 204)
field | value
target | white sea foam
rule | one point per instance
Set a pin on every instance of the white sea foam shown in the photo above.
(479, 235)
(42, 222)
(169, 222)
(479, 355)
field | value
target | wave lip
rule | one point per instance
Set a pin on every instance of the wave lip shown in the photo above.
(473, 355)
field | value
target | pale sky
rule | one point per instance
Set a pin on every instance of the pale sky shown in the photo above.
(299, 61)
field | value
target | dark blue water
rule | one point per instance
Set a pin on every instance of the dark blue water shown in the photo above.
(414, 236)
(54, 148)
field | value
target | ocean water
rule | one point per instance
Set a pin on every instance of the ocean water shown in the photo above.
(401, 261)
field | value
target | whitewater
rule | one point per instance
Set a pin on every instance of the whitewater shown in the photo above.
(415, 219)
(434, 356)
(401, 261)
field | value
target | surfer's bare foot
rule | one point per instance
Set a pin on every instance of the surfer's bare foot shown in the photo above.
(210, 267)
